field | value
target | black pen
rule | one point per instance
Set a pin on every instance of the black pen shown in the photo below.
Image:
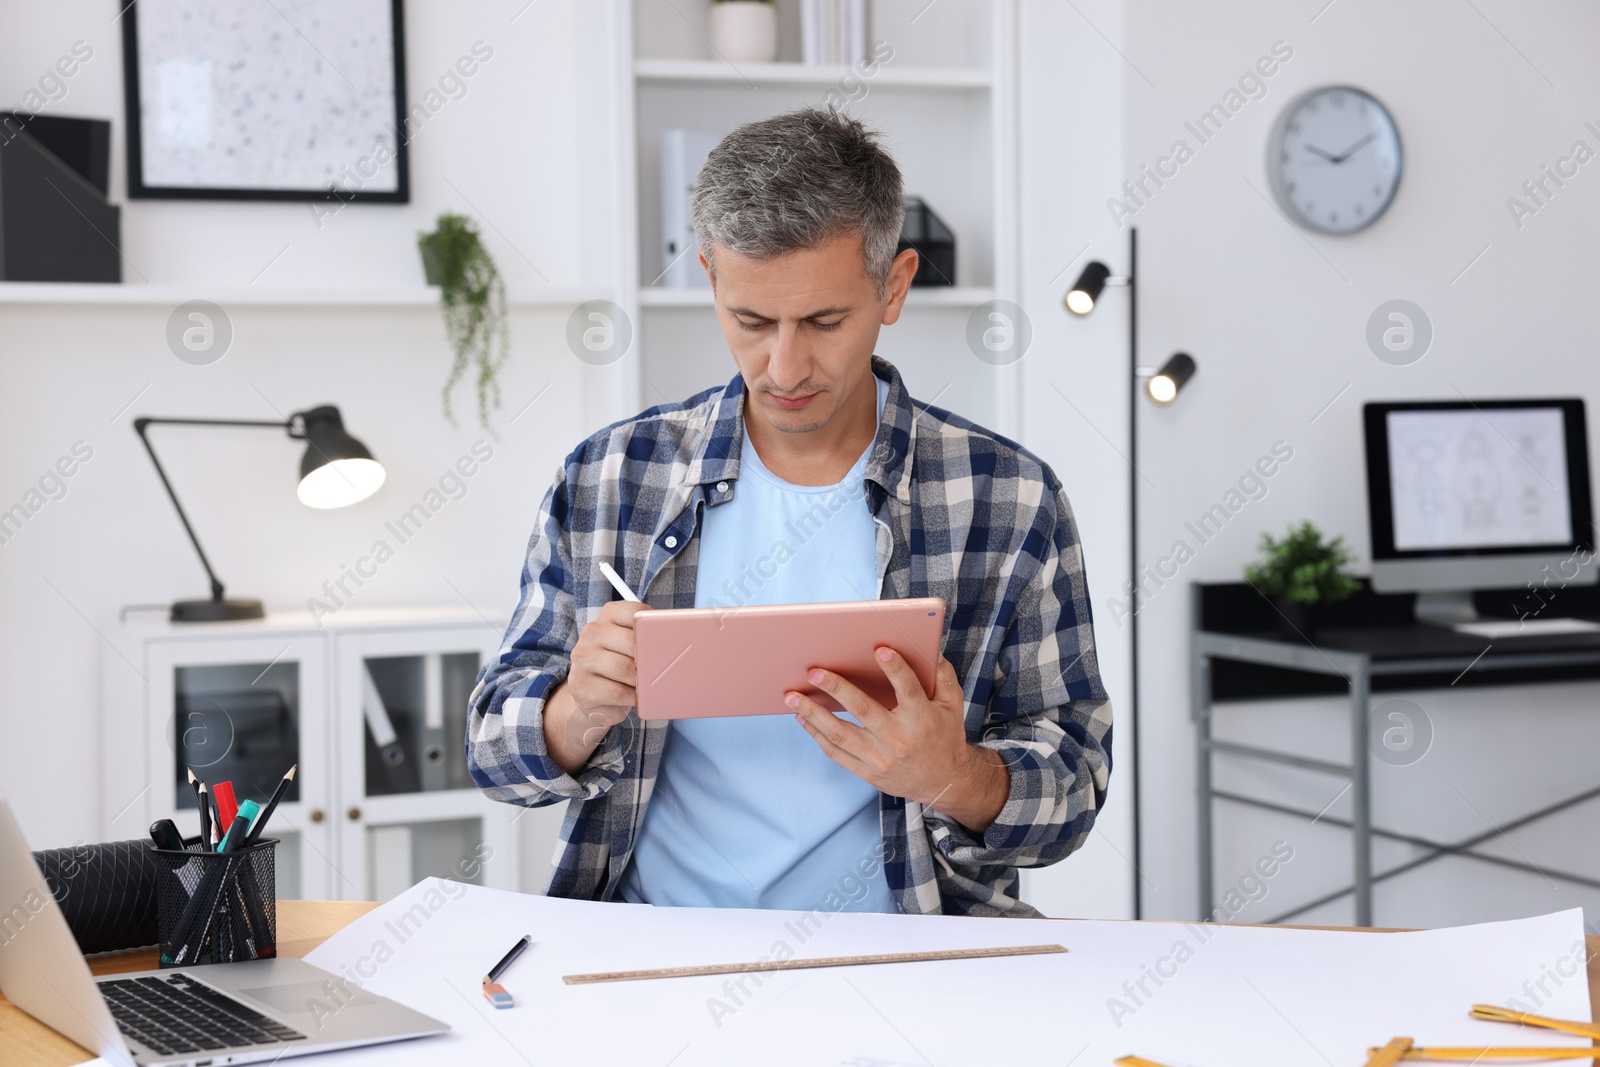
(165, 835)
(205, 817)
(492, 990)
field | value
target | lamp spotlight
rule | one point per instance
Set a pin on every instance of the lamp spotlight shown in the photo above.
(1086, 290)
(1164, 384)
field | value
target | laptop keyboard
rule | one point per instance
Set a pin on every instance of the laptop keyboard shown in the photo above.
(175, 1015)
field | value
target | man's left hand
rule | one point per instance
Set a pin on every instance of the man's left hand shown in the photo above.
(918, 750)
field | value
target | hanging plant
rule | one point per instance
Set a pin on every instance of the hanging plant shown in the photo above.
(474, 300)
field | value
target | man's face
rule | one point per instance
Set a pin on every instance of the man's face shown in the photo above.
(802, 327)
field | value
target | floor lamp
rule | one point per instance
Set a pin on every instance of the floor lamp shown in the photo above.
(1161, 385)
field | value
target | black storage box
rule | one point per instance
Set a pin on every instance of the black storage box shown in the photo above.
(934, 242)
(56, 224)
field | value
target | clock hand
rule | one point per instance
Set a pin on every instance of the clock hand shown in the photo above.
(1352, 150)
(1314, 150)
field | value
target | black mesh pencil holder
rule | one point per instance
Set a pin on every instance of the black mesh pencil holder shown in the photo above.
(217, 907)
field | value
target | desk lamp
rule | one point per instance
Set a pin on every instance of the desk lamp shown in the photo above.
(336, 471)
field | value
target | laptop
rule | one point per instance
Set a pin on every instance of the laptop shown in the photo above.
(222, 1013)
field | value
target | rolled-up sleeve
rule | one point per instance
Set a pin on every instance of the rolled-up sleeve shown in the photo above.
(1048, 718)
(506, 751)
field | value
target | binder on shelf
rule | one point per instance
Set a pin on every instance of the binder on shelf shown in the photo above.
(56, 223)
(856, 32)
(934, 241)
(401, 777)
(833, 32)
(683, 153)
(811, 31)
(433, 746)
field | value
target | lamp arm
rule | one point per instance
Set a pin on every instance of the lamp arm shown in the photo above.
(139, 427)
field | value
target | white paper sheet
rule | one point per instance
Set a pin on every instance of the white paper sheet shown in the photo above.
(1183, 995)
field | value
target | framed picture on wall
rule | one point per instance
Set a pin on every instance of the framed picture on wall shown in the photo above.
(266, 100)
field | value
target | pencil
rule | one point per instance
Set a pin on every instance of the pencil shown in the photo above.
(272, 804)
(205, 813)
(205, 817)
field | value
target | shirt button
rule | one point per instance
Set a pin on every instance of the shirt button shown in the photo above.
(671, 541)
(722, 487)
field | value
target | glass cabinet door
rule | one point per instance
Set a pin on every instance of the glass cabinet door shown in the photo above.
(415, 713)
(411, 809)
(399, 855)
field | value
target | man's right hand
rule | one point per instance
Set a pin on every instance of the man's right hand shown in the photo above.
(599, 689)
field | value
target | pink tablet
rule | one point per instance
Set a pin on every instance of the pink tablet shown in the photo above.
(706, 662)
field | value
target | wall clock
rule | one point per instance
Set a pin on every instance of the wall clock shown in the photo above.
(1335, 160)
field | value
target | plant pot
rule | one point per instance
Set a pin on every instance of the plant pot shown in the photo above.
(744, 31)
(1297, 620)
(432, 265)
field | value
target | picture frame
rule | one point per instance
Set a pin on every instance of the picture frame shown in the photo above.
(278, 100)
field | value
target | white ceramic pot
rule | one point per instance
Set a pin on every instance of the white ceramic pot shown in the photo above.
(744, 31)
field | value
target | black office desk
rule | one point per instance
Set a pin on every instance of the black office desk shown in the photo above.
(1240, 651)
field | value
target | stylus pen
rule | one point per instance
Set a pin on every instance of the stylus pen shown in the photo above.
(617, 583)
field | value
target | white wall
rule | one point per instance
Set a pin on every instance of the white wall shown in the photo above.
(1277, 330)
(1483, 95)
(516, 147)
(525, 149)
(1075, 412)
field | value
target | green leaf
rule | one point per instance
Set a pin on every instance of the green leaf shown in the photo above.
(1301, 568)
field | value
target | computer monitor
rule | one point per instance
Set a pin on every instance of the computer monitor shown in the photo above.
(1477, 494)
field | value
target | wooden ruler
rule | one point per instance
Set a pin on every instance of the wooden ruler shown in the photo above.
(806, 964)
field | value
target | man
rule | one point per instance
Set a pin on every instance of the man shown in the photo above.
(924, 808)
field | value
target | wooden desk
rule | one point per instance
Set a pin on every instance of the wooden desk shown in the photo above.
(302, 926)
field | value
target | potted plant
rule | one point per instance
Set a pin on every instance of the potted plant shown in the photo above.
(1301, 573)
(744, 31)
(474, 300)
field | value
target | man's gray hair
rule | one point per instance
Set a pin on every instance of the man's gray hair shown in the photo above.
(796, 180)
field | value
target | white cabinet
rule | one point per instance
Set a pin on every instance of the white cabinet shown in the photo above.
(382, 797)
(412, 809)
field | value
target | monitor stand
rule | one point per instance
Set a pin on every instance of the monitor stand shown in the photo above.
(1446, 607)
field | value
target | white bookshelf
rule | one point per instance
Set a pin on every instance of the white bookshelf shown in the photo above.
(89, 293)
(721, 72)
(942, 296)
(946, 102)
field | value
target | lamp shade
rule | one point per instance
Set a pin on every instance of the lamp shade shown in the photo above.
(1090, 284)
(337, 470)
(1164, 384)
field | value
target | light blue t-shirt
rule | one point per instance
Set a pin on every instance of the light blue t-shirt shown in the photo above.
(747, 811)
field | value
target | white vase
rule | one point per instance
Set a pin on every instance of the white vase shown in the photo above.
(744, 31)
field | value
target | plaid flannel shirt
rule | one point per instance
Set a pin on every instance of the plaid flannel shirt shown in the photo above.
(961, 513)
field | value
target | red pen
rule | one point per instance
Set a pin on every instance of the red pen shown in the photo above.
(227, 806)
